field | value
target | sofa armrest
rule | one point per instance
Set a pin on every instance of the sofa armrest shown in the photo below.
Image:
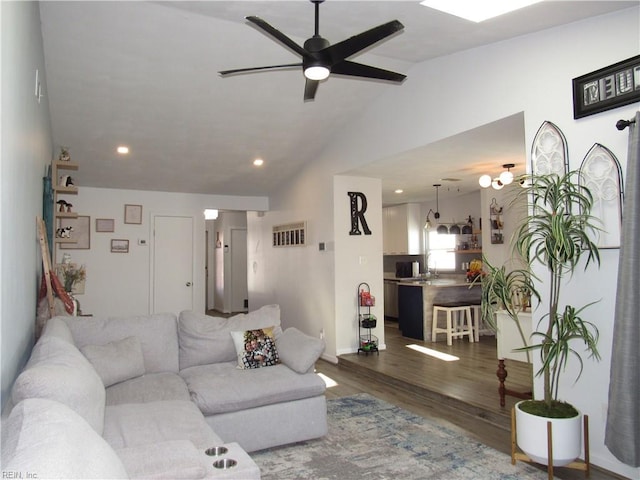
(299, 351)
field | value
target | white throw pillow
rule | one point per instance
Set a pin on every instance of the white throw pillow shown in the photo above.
(299, 351)
(117, 361)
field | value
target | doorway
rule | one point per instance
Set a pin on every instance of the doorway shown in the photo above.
(172, 264)
(226, 247)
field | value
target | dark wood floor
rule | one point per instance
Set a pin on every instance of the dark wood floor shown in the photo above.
(463, 392)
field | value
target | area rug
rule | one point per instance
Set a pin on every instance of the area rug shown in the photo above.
(372, 439)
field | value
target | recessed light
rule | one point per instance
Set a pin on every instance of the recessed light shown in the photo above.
(477, 11)
(122, 150)
(399, 190)
(258, 162)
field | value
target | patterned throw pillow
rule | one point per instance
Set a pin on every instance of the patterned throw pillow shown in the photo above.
(255, 348)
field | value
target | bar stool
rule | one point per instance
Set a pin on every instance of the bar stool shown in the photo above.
(477, 322)
(453, 330)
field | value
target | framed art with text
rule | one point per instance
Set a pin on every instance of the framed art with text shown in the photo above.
(607, 88)
(133, 214)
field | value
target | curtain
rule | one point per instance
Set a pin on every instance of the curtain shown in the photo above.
(622, 435)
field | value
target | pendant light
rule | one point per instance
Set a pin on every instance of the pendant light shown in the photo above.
(437, 212)
(507, 177)
(441, 228)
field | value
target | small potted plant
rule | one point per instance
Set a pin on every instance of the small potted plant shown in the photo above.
(558, 235)
(508, 291)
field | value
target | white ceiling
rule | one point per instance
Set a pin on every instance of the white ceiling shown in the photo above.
(144, 74)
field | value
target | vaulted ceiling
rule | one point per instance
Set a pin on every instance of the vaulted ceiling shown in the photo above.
(144, 74)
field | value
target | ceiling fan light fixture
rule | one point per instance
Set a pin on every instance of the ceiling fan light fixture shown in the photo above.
(316, 72)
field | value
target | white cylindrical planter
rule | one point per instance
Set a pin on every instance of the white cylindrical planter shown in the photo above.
(531, 434)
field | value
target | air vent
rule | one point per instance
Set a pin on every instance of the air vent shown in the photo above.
(290, 235)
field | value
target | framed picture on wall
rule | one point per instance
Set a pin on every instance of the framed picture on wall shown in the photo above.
(119, 245)
(104, 225)
(607, 88)
(81, 233)
(133, 214)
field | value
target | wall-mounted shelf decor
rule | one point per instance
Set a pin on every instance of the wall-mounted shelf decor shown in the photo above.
(600, 172)
(495, 219)
(549, 151)
(80, 235)
(290, 235)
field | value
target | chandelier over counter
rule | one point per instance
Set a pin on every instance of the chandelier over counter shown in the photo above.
(505, 178)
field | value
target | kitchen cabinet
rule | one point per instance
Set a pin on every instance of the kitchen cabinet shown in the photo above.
(391, 298)
(402, 230)
(410, 311)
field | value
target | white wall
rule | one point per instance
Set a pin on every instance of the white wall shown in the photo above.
(119, 284)
(358, 258)
(300, 279)
(440, 98)
(26, 150)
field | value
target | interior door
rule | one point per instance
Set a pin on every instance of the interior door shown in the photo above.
(239, 293)
(172, 264)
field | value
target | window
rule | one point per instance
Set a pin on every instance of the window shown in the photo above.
(441, 251)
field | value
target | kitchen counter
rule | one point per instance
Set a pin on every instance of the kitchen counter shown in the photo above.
(415, 320)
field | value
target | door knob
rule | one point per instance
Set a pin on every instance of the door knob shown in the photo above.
(188, 284)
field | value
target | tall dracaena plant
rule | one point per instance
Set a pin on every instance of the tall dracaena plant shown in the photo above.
(558, 235)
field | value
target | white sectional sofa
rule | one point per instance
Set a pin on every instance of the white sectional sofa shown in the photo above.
(149, 396)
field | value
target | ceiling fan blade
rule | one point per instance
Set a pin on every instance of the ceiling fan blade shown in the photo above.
(224, 73)
(310, 88)
(354, 69)
(359, 42)
(278, 35)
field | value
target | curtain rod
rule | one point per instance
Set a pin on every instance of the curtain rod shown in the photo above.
(622, 124)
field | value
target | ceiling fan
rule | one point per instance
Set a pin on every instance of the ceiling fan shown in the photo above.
(320, 58)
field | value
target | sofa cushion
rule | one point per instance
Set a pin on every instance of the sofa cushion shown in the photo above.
(222, 387)
(255, 348)
(116, 361)
(151, 387)
(205, 339)
(157, 333)
(299, 351)
(130, 425)
(175, 459)
(58, 371)
(49, 440)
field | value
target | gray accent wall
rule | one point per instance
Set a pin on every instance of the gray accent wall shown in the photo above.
(26, 151)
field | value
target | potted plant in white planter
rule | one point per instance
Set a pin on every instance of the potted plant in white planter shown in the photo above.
(508, 291)
(557, 234)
